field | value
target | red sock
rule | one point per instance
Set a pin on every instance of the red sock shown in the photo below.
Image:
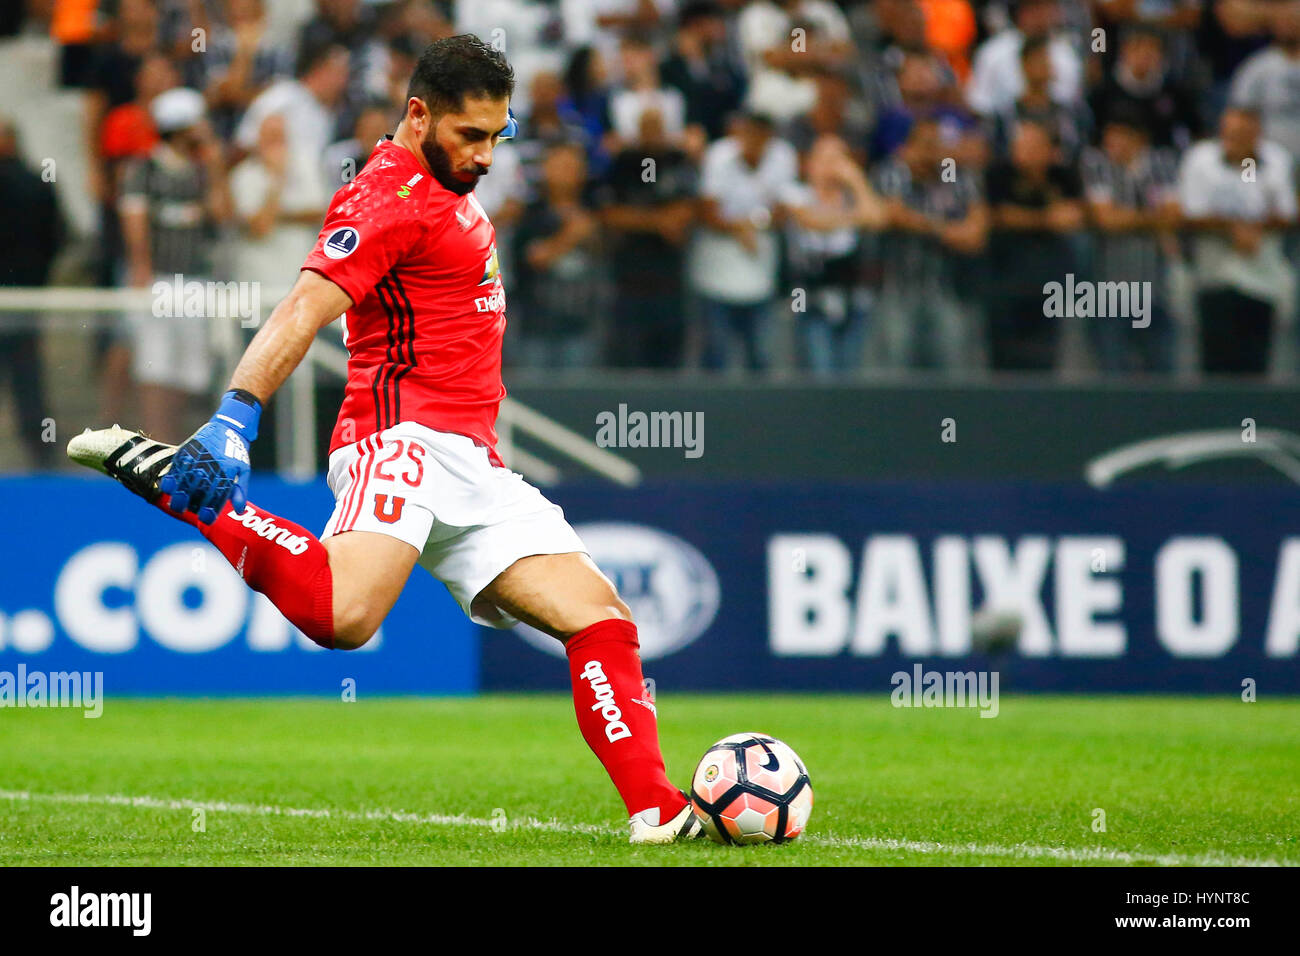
(616, 719)
(284, 561)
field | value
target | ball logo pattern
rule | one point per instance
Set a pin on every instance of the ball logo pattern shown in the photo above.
(751, 788)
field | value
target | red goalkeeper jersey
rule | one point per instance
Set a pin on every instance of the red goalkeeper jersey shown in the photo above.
(424, 337)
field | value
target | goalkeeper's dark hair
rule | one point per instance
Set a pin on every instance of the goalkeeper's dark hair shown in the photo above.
(453, 68)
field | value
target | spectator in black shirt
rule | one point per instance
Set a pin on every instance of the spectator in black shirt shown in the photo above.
(559, 290)
(701, 68)
(27, 248)
(1176, 22)
(547, 125)
(1139, 84)
(1068, 122)
(1230, 31)
(11, 20)
(1037, 202)
(837, 112)
(586, 102)
(648, 206)
(349, 23)
(112, 83)
(1133, 203)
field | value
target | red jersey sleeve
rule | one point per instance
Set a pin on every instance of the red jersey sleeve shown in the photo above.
(366, 233)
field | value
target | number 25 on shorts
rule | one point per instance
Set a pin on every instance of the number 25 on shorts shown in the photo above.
(389, 510)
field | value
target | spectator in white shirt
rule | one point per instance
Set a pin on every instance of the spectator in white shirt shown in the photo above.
(642, 91)
(1269, 81)
(1236, 193)
(309, 106)
(823, 215)
(276, 231)
(785, 45)
(735, 261)
(997, 80)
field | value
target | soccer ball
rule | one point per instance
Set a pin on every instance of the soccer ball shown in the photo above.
(751, 788)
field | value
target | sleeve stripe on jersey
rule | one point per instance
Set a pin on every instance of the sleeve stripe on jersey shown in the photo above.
(400, 357)
(396, 325)
(410, 317)
(380, 384)
(407, 315)
(386, 370)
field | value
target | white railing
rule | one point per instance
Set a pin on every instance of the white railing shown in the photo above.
(67, 309)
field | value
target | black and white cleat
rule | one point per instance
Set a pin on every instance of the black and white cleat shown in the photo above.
(135, 460)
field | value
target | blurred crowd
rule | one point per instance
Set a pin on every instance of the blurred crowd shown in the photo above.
(840, 187)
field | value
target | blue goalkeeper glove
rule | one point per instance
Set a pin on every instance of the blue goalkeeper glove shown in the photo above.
(212, 467)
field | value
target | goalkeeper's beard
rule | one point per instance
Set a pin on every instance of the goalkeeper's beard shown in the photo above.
(440, 163)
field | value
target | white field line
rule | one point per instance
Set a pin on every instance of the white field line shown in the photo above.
(1021, 851)
(323, 813)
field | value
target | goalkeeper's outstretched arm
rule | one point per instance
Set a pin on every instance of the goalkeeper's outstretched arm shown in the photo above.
(313, 303)
(212, 467)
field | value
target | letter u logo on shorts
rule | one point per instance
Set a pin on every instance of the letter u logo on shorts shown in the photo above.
(384, 513)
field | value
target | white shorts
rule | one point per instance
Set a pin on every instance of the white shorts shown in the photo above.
(442, 495)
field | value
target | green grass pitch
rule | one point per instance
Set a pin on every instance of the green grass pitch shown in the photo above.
(507, 780)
